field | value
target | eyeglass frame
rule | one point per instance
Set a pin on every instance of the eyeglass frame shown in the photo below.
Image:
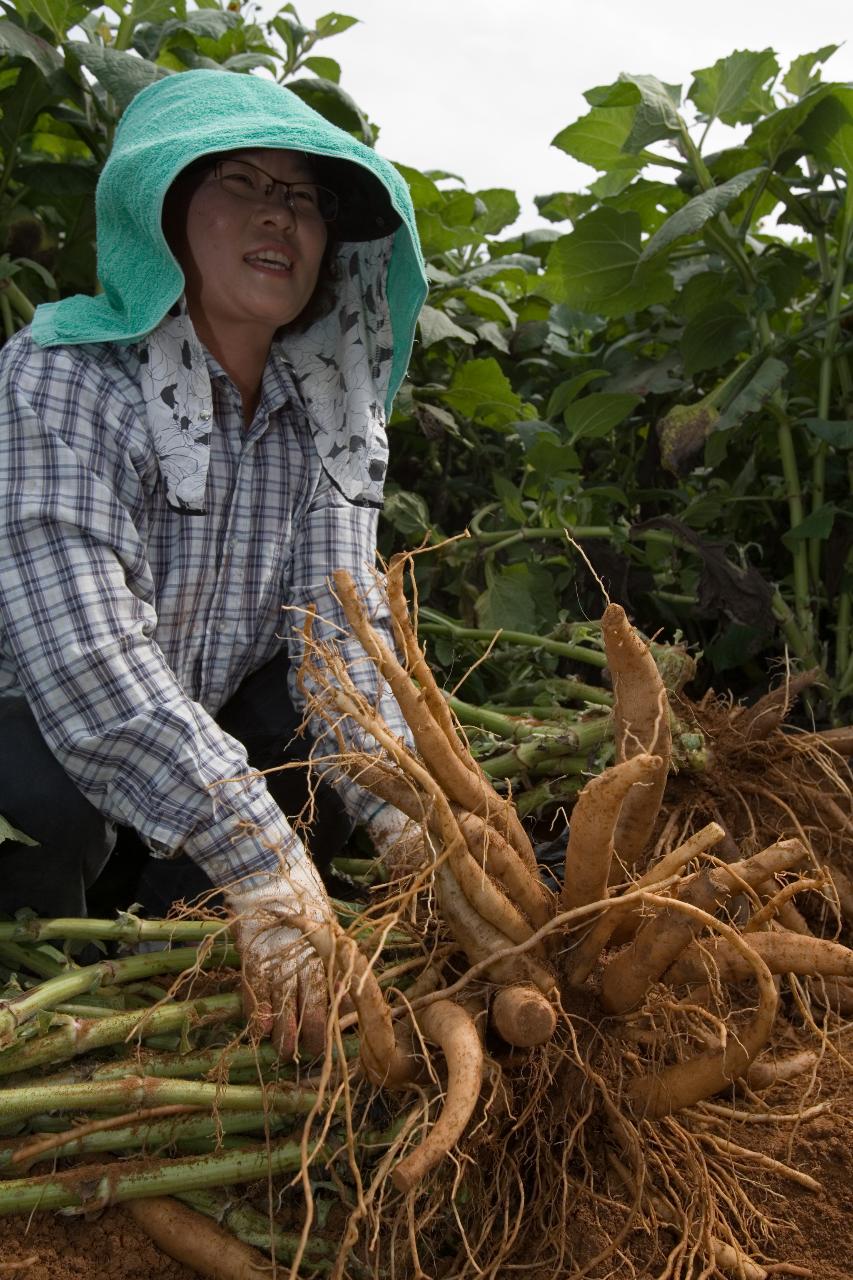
(287, 201)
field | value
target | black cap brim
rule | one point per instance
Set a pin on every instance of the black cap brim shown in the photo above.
(365, 211)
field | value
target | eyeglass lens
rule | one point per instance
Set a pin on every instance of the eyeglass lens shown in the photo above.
(248, 182)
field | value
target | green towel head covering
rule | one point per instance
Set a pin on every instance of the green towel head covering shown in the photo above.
(184, 116)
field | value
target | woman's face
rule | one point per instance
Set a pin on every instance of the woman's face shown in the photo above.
(250, 263)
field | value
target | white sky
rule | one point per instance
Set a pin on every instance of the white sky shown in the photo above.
(480, 87)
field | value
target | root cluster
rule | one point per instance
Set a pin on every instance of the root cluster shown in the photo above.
(583, 1028)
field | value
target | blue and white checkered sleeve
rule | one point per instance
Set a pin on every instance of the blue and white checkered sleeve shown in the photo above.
(78, 620)
(336, 534)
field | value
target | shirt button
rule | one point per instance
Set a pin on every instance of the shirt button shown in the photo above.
(205, 415)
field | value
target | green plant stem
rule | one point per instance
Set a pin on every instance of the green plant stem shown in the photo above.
(824, 400)
(795, 638)
(494, 721)
(31, 960)
(555, 791)
(19, 300)
(541, 753)
(156, 1134)
(200, 1062)
(127, 929)
(135, 1091)
(506, 537)
(842, 632)
(96, 1187)
(75, 1038)
(575, 651)
(124, 33)
(255, 1228)
(790, 472)
(8, 320)
(554, 686)
(129, 969)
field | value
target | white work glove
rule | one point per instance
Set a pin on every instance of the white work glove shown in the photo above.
(285, 994)
(398, 841)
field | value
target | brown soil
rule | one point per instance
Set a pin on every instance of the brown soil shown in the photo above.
(48, 1246)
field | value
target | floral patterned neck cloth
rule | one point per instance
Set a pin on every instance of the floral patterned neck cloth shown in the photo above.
(179, 403)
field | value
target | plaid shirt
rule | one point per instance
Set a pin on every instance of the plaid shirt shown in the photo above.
(128, 624)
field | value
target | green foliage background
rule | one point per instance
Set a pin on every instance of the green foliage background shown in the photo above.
(655, 375)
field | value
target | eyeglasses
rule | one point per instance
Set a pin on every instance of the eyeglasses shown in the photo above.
(246, 181)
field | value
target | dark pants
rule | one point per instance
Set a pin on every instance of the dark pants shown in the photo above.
(84, 865)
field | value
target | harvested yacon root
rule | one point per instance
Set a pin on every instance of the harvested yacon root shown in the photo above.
(193, 1239)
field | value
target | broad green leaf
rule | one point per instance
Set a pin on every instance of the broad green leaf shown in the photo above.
(121, 74)
(597, 267)
(653, 201)
(701, 209)
(704, 289)
(517, 598)
(714, 336)
(801, 75)
(480, 390)
(506, 604)
(20, 105)
(599, 138)
(778, 133)
(485, 303)
(424, 192)
(436, 325)
(248, 62)
(510, 497)
(332, 24)
(436, 237)
(335, 105)
(408, 513)
(612, 183)
(325, 68)
(501, 208)
(656, 115)
(735, 89)
(837, 434)
(755, 394)
(562, 205)
(828, 134)
(58, 15)
(566, 392)
(505, 275)
(210, 24)
(459, 208)
(816, 525)
(72, 179)
(551, 459)
(8, 832)
(18, 43)
(596, 415)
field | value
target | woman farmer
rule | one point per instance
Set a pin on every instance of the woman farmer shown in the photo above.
(186, 457)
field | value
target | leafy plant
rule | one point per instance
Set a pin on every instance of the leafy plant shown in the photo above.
(667, 379)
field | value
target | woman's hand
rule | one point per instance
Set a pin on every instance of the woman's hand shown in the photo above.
(284, 988)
